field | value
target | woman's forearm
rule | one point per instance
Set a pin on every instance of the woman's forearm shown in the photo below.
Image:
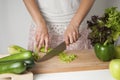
(34, 11)
(85, 6)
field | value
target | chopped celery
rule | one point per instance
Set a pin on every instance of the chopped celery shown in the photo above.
(67, 58)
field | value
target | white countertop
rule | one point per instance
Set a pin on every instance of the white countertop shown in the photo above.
(77, 75)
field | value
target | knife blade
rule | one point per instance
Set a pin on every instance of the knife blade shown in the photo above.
(57, 50)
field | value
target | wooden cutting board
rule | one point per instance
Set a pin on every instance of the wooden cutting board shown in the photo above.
(86, 60)
(10, 76)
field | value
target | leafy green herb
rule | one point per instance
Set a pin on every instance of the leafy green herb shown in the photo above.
(67, 58)
(105, 29)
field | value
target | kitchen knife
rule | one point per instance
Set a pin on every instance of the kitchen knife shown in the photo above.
(57, 50)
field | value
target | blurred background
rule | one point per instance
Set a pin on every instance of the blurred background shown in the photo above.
(15, 21)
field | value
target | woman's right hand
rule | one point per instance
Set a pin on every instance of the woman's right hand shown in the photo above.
(41, 30)
(42, 37)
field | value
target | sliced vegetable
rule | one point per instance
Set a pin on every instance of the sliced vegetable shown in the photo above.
(67, 58)
(36, 56)
(43, 49)
(16, 67)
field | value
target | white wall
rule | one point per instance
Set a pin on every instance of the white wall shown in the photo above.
(15, 20)
(14, 24)
(117, 4)
(4, 31)
(98, 8)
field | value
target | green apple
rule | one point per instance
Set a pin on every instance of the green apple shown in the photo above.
(114, 68)
(117, 53)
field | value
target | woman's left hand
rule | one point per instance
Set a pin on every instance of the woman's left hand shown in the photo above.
(71, 34)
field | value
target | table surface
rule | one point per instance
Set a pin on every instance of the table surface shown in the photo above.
(76, 75)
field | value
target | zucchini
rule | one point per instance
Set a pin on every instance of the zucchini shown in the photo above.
(16, 67)
(29, 63)
(20, 56)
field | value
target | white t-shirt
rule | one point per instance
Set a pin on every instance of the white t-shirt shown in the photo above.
(58, 10)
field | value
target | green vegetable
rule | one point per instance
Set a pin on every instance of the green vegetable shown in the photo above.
(13, 49)
(19, 56)
(29, 63)
(19, 61)
(67, 58)
(104, 52)
(117, 52)
(43, 49)
(16, 67)
(36, 56)
(105, 29)
(113, 18)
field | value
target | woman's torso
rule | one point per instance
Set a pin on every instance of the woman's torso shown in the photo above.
(58, 10)
(58, 13)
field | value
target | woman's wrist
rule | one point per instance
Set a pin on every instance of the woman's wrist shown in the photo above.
(76, 22)
(41, 23)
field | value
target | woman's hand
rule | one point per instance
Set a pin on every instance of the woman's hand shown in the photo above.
(41, 31)
(71, 34)
(42, 37)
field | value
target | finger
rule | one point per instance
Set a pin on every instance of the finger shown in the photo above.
(37, 40)
(71, 39)
(74, 37)
(43, 44)
(46, 44)
(79, 35)
(37, 43)
(40, 43)
(37, 37)
(67, 40)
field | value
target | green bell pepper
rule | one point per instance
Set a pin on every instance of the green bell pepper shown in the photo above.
(104, 52)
